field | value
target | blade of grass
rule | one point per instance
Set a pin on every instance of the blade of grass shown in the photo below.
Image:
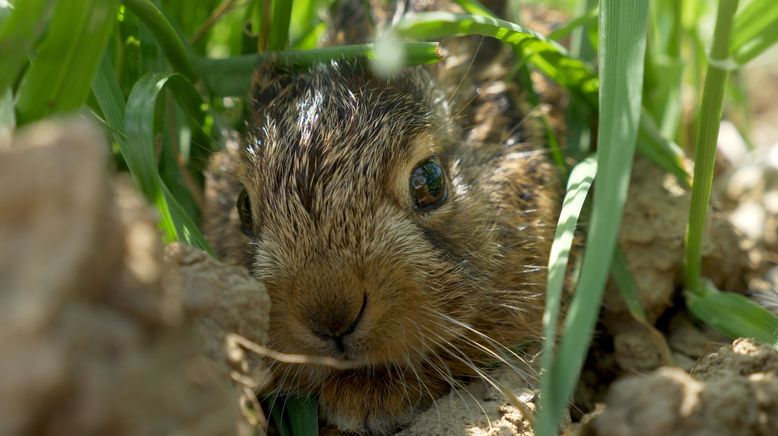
(305, 22)
(475, 7)
(110, 99)
(60, 76)
(733, 314)
(628, 289)
(588, 16)
(546, 55)
(578, 185)
(707, 135)
(310, 39)
(278, 38)
(137, 143)
(304, 414)
(665, 66)
(18, 34)
(755, 30)
(7, 118)
(260, 22)
(175, 48)
(5, 11)
(579, 116)
(232, 77)
(662, 152)
(139, 153)
(622, 47)
(627, 286)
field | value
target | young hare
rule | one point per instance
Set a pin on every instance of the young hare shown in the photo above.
(402, 224)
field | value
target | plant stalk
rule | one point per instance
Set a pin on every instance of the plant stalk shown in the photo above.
(707, 135)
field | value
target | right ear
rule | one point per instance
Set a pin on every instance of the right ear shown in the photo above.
(268, 82)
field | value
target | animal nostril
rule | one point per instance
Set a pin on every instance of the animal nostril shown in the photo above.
(337, 326)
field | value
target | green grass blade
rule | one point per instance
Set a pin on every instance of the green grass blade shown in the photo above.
(662, 152)
(18, 34)
(588, 17)
(176, 50)
(5, 12)
(546, 55)
(136, 143)
(622, 47)
(7, 118)
(278, 38)
(305, 25)
(755, 30)
(110, 99)
(60, 76)
(231, 77)
(475, 7)
(628, 289)
(579, 116)
(141, 159)
(578, 185)
(705, 149)
(733, 314)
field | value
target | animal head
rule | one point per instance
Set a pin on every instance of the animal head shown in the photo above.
(379, 235)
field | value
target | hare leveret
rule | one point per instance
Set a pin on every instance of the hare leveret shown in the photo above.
(392, 226)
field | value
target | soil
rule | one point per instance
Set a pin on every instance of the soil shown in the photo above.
(105, 331)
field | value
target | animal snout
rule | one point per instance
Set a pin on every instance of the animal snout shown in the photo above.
(334, 324)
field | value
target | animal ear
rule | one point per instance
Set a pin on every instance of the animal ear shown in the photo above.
(268, 82)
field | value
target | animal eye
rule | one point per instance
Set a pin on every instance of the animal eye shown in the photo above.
(428, 185)
(244, 212)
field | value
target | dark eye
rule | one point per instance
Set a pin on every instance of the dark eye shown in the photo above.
(244, 212)
(428, 185)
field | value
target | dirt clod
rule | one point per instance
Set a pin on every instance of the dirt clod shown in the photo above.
(92, 341)
(732, 391)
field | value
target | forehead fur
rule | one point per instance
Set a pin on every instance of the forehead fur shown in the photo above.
(324, 129)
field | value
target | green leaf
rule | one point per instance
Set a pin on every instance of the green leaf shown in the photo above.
(546, 55)
(628, 289)
(7, 119)
(579, 116)
(278, 39)
(19, 33)
(578, 185)
(306, 26)
(296, 416)
(622, 47)
(136, 142)
(733, 314)
(176, 49)
(662, 152)
(475, 7)
(232, 77)
(588, 17)
(705, 147)
(756, 30)
(60, 76)
(109, 97)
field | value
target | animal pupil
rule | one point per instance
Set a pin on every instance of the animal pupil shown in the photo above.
(244, 211)
(428, 185)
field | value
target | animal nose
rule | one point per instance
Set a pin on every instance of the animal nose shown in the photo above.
(336, 324)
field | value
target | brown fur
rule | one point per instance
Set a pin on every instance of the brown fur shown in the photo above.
(326, 163)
